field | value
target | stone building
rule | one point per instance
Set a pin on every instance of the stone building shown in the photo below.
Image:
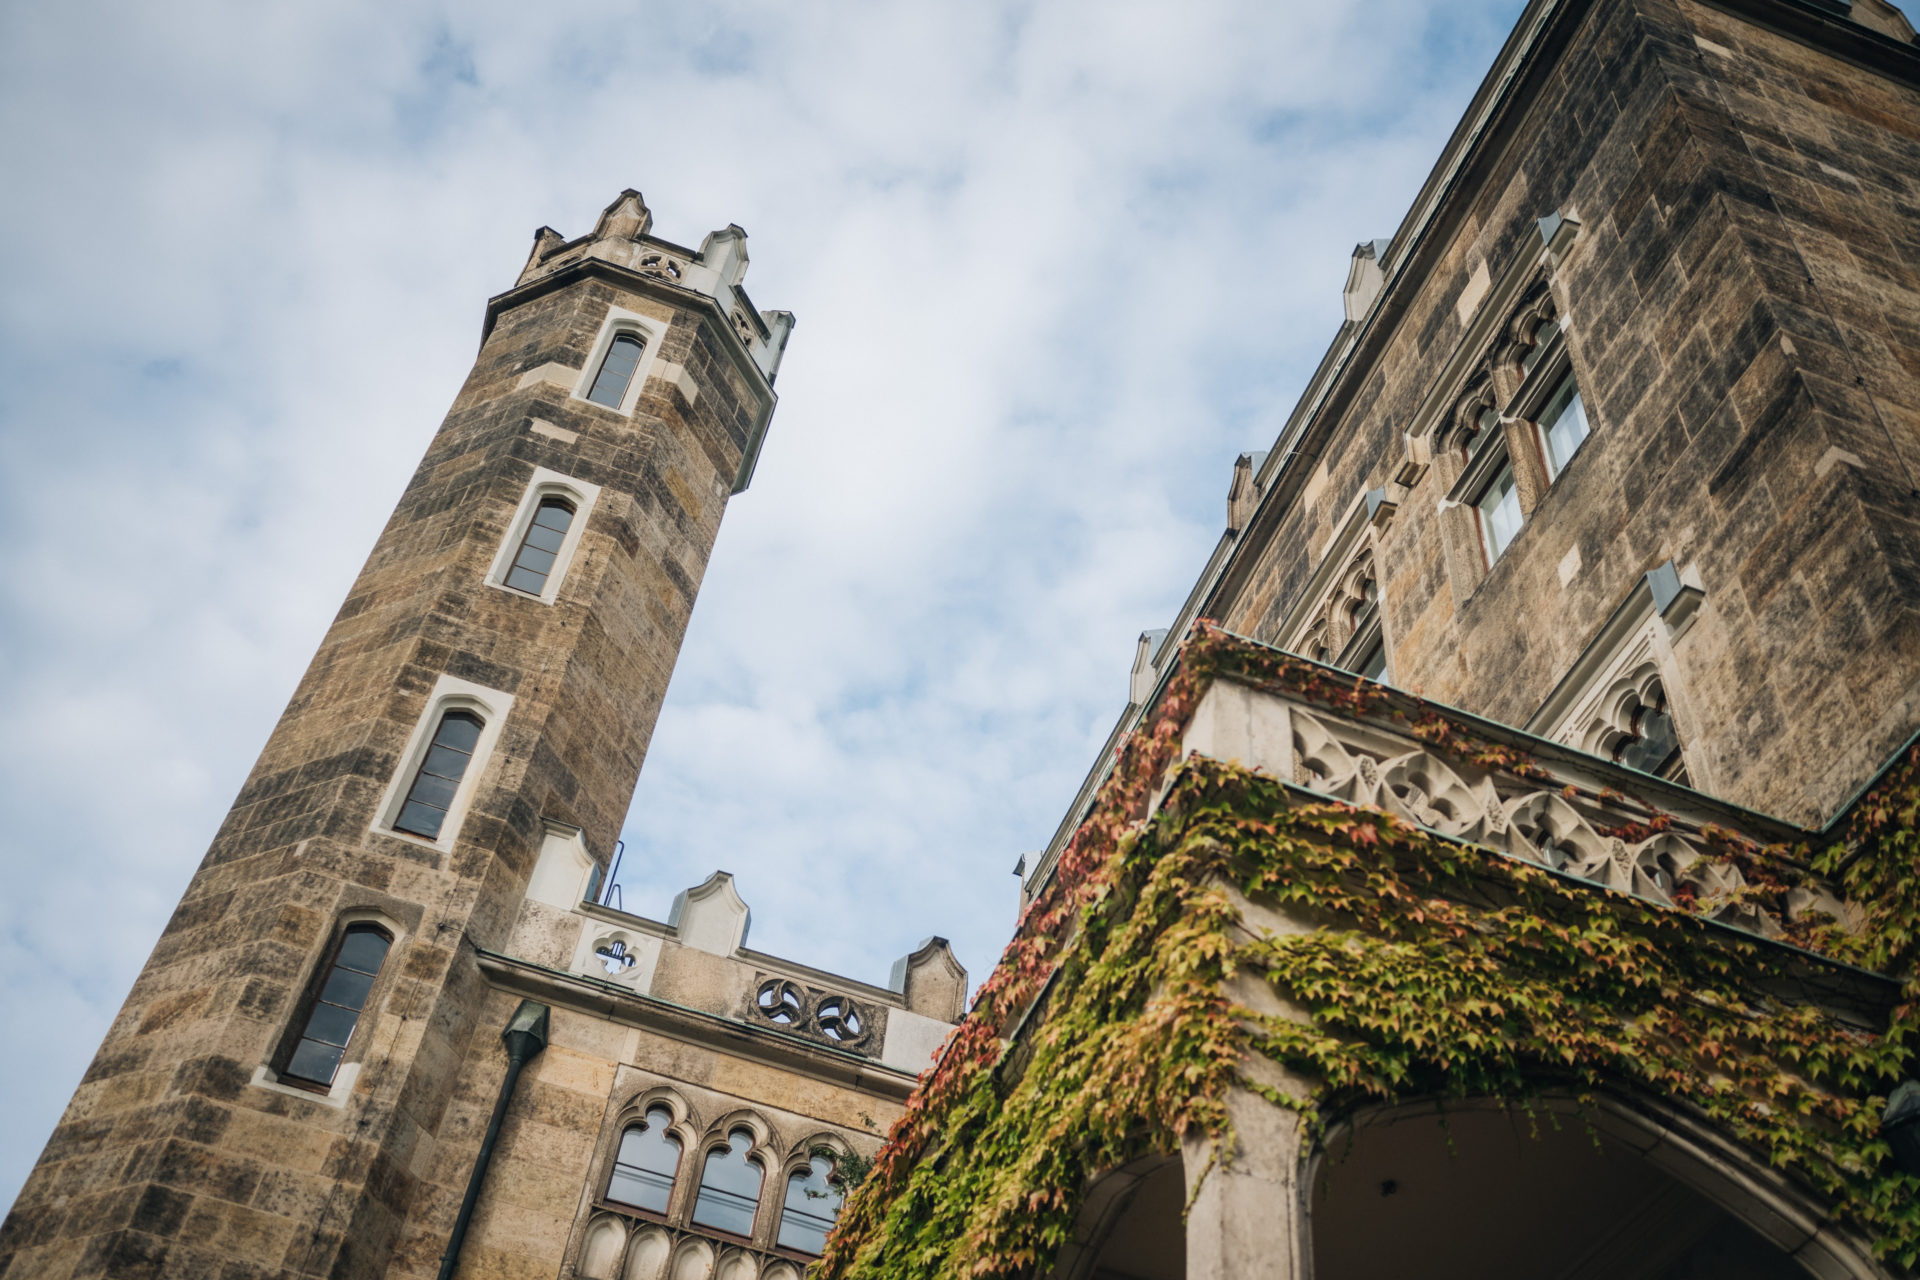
(1505, 865)
(390, 1023)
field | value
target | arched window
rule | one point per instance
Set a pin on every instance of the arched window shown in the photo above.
(729, 1187)
(1653, 744)
(334, 1006)
(541, 545)
(646, 1164)
(616, 371)
(812, 1205)
(432, 792)
(1563, 426)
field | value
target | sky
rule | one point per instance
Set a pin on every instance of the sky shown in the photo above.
(1054, 266)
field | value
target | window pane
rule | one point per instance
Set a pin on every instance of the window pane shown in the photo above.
(330, 1024)
(526, 580)
(421, 820)
(314, 1061)
(644, 1169)
(430, 789)
(554, 514)
(812, 1205)
(610, 386)
(445, 762)
(365, 950)
(546, 539)
(346, 988)
(1374, 665)
(460, 730)
(1565, 426)
(1500, 514)
(531, 557)
(729, 1188)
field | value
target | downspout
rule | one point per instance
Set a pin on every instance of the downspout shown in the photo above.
(525, 1036)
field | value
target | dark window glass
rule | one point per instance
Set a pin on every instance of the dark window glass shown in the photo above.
(729, 1187)
(616, 371)
(1655, 744)
(812, 1205)
(534, 561)
(335, 1011)
(431, 794)
(1373, 663)
(644, 1167)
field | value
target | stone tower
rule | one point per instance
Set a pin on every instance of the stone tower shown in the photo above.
(497, 669)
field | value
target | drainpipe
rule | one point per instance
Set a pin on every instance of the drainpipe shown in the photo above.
(525, 1036)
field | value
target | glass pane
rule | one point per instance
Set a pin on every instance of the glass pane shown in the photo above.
(445, 762)
(610, 386)
(526, 580)
(544, 538)
(534, 558)
(421, 819)
(643, 1170)
(431, 790)
(1566, 427)
(363, 949)
(729, 1189)
(331, 1024)
(812, 1205)
(1500, 514)
(314, 1061)
(460, 730)
(1374, 665)
(1653, 750)
(554, 515)
(347, 988)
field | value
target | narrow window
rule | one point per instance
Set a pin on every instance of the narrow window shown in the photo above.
(545, 532)
(645, 1166)
(616, 371)
(1499, 510)
(1563, 426)
(729, 1187)
(1485, 427)
(1373, 663)
(335, 1008)
(812, 1205)
(431, 794)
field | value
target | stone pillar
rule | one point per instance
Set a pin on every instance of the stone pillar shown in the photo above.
(1249, 1219)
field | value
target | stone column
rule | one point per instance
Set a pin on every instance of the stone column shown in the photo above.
(1249, 1220)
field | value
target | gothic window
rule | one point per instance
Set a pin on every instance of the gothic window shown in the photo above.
(1483, 427)
(1650, 743)
(533, 562)
(729, 1187)
(434, 786)
(334, 1007)
(616, 371)
(1498, 510)
(1563, 426)
(646, 1164)
(811, 1207)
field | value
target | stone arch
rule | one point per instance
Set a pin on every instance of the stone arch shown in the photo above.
(1319, 761)
(692, 1261)
(647, 1257)
(600, 1253)
(1424, 789)
(1568, 1189)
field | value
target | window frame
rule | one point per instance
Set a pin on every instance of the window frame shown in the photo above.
(544, 483)
(316, 982)
(722, 1140)
(450, 693)
(670, 1130)
(652, 333)
(803, 1163)
(268, 1074)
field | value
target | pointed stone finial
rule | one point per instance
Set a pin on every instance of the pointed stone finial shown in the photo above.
(1243, 495)
(1365, 279)
(725, 252)
(932, 980)
(627, 218)
(711, 916)
(1146, 673)
(545, 241)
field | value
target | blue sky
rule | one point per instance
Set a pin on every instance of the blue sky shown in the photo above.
(1054, 267)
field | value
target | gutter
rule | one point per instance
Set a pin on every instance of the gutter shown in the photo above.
(525, 1035)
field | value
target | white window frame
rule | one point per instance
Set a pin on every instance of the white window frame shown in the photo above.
(544, 484)
(652, 334)
(450, 693)
(348, 1073)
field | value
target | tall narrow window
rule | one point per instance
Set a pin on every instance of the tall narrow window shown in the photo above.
(645, 1166)
(729, 1187)
(812, 1205)
(432, 792)
(545, 532)
(1499, 510)
(616, 371)
(1563, 426)
(1653, 744)
(336, 1006)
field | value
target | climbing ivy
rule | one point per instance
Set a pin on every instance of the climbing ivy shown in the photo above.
(1453, 972)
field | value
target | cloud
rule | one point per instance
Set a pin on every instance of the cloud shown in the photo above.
(1054, 266)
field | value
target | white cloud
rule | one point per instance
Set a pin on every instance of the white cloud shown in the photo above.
(1054, 266)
